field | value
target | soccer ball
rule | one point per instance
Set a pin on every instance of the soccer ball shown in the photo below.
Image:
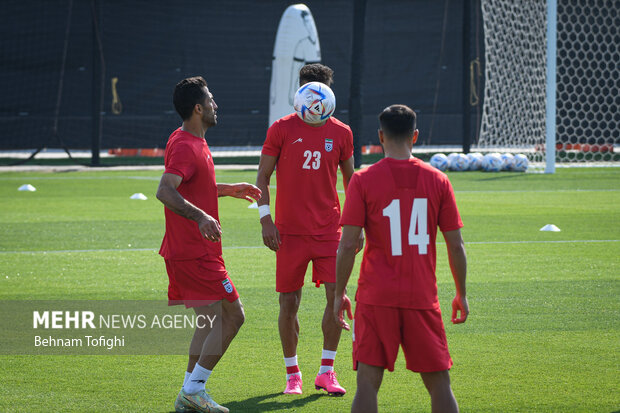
(314, 102)
(458, 162)
(507, 161)
(451, 158)
(520, 163)
(439, 161)
(475, 161)
(492, 162)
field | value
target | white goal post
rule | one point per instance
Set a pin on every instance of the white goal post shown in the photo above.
(550, 95)
(551, 88)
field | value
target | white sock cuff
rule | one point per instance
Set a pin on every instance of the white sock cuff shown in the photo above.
(197, 380)
(200, 371)
(328, 354)
(290, 361)
(187, 376)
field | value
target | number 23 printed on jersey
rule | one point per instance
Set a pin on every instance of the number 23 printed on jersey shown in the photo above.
(312, 160)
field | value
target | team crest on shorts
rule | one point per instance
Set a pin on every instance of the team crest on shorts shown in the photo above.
(329, 145)
(227, 286)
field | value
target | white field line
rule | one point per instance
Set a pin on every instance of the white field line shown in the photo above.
(536, 191)
(157, 178)
(115, 250)
(568, 241)
(77, 178)
(340, 191)
(261, 246)
(83, 178)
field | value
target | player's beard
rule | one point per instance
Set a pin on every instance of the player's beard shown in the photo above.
(209, 119)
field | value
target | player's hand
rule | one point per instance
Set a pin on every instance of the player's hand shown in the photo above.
(360, 242)
(459, 304)
(271, 235)
(245, 191)
(342, 304)
(210, 228)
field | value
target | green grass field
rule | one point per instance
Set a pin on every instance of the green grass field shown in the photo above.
(543, 334)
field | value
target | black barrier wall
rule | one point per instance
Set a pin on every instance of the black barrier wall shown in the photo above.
(412, 55)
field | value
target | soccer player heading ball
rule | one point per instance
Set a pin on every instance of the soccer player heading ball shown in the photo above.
(399, 202)
(306, 227)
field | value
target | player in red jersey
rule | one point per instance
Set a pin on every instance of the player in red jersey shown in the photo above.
(400, 201)
(191, 247)
(307, 222)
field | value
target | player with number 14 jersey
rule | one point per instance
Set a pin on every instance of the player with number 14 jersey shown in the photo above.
(400, 203)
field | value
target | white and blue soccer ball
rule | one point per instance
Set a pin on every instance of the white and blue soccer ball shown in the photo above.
(508, 161)
(475, 161)
(451, 157)
(314, 102)
(492, 162)
(520, 163)
(439, 161)
(459, 162)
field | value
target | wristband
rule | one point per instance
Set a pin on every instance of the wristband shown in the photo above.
(263, 211)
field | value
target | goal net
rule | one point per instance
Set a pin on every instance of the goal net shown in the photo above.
(587, 98)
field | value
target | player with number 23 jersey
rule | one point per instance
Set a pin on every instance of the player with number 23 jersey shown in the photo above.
(308, 158)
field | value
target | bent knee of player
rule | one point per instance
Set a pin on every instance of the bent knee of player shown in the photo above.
(239, 318)
(330, 293)
(289, 302)
(348, 246)
(437, 381)
(369, 377)
(234, 315)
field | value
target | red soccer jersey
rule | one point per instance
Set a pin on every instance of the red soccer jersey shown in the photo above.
(189, 157)
(400, 204)
(306, 172)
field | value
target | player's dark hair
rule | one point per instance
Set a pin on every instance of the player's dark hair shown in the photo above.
(397, 122)
(316, 72)
(187, 93)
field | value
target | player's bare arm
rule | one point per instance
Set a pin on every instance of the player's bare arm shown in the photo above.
(169, 196)
(348, 168)
(241, 190)
(345, 258)
(271, 235)
(458, 265)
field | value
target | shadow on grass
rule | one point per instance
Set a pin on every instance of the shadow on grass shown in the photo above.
(264, 404)
(495, 176)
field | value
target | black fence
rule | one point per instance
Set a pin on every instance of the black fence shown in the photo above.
(69, 64)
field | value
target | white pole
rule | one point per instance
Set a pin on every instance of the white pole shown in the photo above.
(552, 11)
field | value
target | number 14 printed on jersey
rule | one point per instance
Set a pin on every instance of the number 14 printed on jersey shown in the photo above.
(418, 216)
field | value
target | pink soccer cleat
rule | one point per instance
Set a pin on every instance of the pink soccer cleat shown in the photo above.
(293, 385)
(327, 381)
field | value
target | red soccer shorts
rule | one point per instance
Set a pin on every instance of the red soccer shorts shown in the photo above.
(201, 279)
(292, 259)
(378, 332)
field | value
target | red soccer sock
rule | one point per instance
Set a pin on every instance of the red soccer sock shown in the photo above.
(327, 361)
(291, 366)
